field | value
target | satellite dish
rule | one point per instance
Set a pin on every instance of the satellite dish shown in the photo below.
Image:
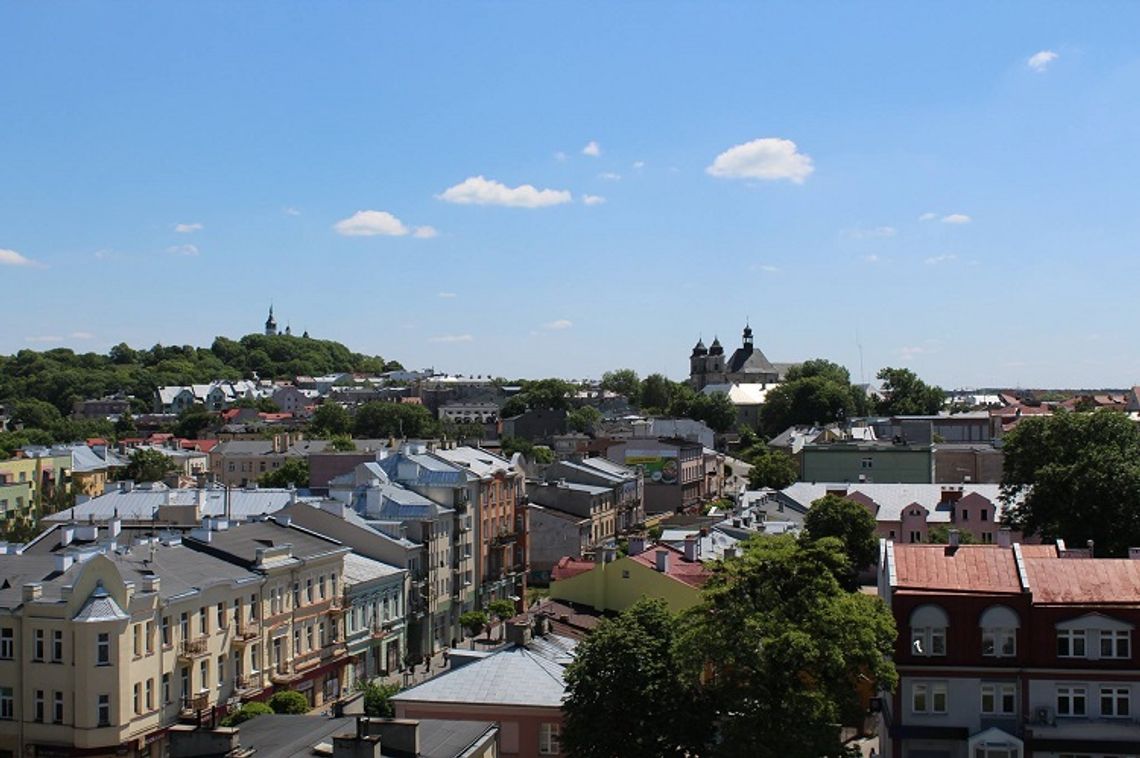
(918, 647)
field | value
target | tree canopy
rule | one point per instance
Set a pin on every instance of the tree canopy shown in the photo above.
(583, 419)
(1079, 475)
(330, 419)
(771, 468)
(625, 382)
(904, 394)
(147, 465)
(817, 391)
(851, 524)
(294, 472)
(382, 419)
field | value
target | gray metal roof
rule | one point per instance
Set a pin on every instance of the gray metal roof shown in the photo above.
(142, 504)
(358, 569)
(280, 736)
(894, 498)
(100, 606)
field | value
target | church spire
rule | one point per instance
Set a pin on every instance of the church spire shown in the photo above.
(270, 323)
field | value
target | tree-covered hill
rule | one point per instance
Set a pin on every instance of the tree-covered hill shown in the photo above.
(62, 376)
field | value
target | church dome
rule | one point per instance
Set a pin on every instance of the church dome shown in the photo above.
(715, 348)
(700, 348)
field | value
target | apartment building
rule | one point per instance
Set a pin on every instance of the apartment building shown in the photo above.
(375, 594)
(497, 491)
(673, 470)
(26, 481)
(1011, 651)
(627, 484)
(568, 518)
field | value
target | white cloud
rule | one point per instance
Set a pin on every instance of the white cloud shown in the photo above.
(182, 249)
(638, 165)
(928, 216)
(610, 176)
(371, 224)
(290, 211)
(592, 149)
(44, 338)
(477, 190)
(560, 156)
(425, 232)
(935, 260)
(593, 199)
(12, 258)
(872, 258)
(451, 338)
(769, 158)
(1040, 61)
(446, 295)
(767, 268)
(82, 336)
(877, 232)
(956, 218)
(562, 323)
(187, 228)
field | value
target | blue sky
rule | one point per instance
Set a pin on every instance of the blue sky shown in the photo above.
(905, 176)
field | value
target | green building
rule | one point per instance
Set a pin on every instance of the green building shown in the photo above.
(862, 461)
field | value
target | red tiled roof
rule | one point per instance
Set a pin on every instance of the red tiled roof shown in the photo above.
(692, 573)
(569, 567)
(95, 441)
(275, 416)
(1095, 580)
(969, 568)
(1039, 551)
(203, 446)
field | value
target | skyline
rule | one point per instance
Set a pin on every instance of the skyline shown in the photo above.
(564, 190)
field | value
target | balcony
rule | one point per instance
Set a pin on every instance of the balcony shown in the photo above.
(247, 684)
(245, 632)
(195, 704)
(505, 538)
(283, 673)
(339, 604)
(194, 648)
(334, 650)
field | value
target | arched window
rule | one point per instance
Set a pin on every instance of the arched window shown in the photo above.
(928, 625)
(999, 631)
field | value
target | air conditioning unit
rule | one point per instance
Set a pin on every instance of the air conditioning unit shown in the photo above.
(1043, 715)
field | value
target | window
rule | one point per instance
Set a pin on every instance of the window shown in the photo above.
(309, 636)
(321, 587)
(549, 739)
(57, 646)
(149, 637)
(166, 642)
(1071, 701)
(296, 642)
(203, 621)
(57, 707)
(999, 643)
(309, 590)
(39, 706)
(928, 641)
(929, 698)
(136, 635)
(1071, 643)
(867, 463)
(221, 616)
(296, 594)
(1115, 702)
(166, 688)
(184, 677)
(38, 645)
(253, 607)
(916, 536)
(204, 673)
(150, 694)
(999, 699)
(7, 704)
(7, 643)
(221, 670)
(136, 698)
(103, 712)
(184, 625)
(965, 515)
(1116, 644)
(103, 649)
(254, 656)
(985, 514)
(919, 701)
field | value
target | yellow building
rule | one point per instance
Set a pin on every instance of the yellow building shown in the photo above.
(611, 584)
(25, 482)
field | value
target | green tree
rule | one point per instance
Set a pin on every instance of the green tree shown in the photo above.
(773, 469)
(815, 392)
(850, 523)
(330, 419)
(378, 698)
(548, 394)
(473, 621)
(401, 420)
(1075, 476)
(716, 410)
(656, 392)
(294, 472)
(515, 406)
(623, 382)
(342, 443)
(246, 712)
(503, 610)
(940, 535)
(623, 694)
(148, 465)
(583, 419)
(811, 646)
(289, 702)
(34, 414)
(125, 426)
(904, 394)
(192, 422)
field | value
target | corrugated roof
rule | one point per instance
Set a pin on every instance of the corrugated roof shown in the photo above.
(143, 504)
(969, 568)
(515, 676)
(1084, 580)
(893, 499)
(100, 606)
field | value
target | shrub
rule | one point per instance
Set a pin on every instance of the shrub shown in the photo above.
(246, 712)
(289, 702)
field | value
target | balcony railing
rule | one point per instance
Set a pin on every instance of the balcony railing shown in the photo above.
(194, 648)
(196, 703)
(338, 604)
(247, 683)
(245, 632)
(505, 538)
(283, 673)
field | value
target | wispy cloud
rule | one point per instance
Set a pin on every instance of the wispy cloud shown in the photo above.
(291, 211)
(937, 259)
(44, 338)
(560, 156)
(872, 258)
(558, 324)
(12, 258)
(425, 232)
(593, 199)
(610, 176)
(956, 218)
(451, 338)
(82, 336)
(478, 190)
(1040, 60)
(187, 228)
(592, 149)
(182, 250)
(878, 232)
(767, 268)
(638, 165)
(769, 158)
(928, 216)
(446, 295)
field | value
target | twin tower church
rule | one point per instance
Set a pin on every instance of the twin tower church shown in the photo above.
(747, 365)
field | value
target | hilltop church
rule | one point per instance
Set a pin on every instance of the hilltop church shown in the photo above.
(747, 365)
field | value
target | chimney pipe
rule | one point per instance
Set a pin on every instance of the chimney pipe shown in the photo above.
(1004, 537)
(953, 538)
(663, 561)
(692, 548)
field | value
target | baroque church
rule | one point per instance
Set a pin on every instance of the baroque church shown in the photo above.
(747, 365)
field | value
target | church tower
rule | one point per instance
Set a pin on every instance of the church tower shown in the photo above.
(697, 365)
(270, 324)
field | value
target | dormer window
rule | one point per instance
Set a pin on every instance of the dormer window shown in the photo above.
(1116, 644)
(999, 632)
(928, 624)
(1094, 636)
(1071, 643)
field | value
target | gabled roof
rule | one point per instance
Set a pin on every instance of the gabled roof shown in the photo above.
(694, 574)
(568, 567)
(100, 606)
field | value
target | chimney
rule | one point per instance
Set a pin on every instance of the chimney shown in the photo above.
(953, 538)
(116, 527)
(151, 583)
(1091, 545)
(284, 519)
(66, 534)
(63, 562)
(33, 591)
(663, 561)
(692, 548)
(335, 507)
(1134, 553)
(518, 633)
(1004, 537)
(636, 544)
(356, 746)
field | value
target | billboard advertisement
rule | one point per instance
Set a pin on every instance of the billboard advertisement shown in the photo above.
(657, 469)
